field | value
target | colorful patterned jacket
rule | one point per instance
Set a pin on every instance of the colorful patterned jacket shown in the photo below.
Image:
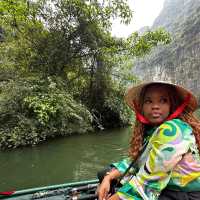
(170, 159)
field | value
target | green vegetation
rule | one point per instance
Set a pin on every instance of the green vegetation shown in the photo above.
(61, 71)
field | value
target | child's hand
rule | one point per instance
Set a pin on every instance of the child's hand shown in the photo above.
(114, 197)
(104, 188)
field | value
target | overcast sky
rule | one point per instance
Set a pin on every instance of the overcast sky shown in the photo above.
(144, 13)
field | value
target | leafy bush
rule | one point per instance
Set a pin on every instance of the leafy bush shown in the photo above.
(115, 106)
(32, 110)
(111, 111)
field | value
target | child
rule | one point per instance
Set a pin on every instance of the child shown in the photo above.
(164, 146)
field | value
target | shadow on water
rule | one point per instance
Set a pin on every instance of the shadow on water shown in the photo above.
(62, 160)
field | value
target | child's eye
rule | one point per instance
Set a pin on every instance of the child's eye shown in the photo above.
(147, 101)
(164, 100)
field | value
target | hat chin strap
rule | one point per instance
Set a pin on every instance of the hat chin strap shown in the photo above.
(175, 114)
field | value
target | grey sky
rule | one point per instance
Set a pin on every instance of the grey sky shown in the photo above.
(144, 13)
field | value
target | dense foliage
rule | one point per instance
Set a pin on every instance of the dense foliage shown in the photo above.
(32, 110)
(62, 71)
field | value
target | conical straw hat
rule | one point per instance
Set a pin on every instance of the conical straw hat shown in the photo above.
(133, 94)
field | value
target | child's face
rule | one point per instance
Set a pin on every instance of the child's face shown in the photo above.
(156, 105)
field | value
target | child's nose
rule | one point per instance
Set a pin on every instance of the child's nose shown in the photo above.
(155, 105)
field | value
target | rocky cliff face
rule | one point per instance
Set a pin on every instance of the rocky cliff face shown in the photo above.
(179, 62)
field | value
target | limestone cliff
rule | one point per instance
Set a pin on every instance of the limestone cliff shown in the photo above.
(178, 62)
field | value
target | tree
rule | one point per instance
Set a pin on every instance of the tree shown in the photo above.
(70, 43)
(61, 37)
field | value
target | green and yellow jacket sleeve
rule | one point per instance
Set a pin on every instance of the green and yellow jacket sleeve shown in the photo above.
(125, 163)
(122, 165)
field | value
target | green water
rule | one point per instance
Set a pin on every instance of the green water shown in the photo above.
(62, 160)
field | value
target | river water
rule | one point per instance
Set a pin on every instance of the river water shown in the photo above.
(62, 160)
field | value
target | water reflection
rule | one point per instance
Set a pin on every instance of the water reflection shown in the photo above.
(62, 160)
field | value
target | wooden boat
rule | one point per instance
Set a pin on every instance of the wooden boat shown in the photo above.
(83, 190)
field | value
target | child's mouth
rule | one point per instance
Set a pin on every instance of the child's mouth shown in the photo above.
(156, 115)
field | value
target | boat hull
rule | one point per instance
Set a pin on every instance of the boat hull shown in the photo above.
(83, 190)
